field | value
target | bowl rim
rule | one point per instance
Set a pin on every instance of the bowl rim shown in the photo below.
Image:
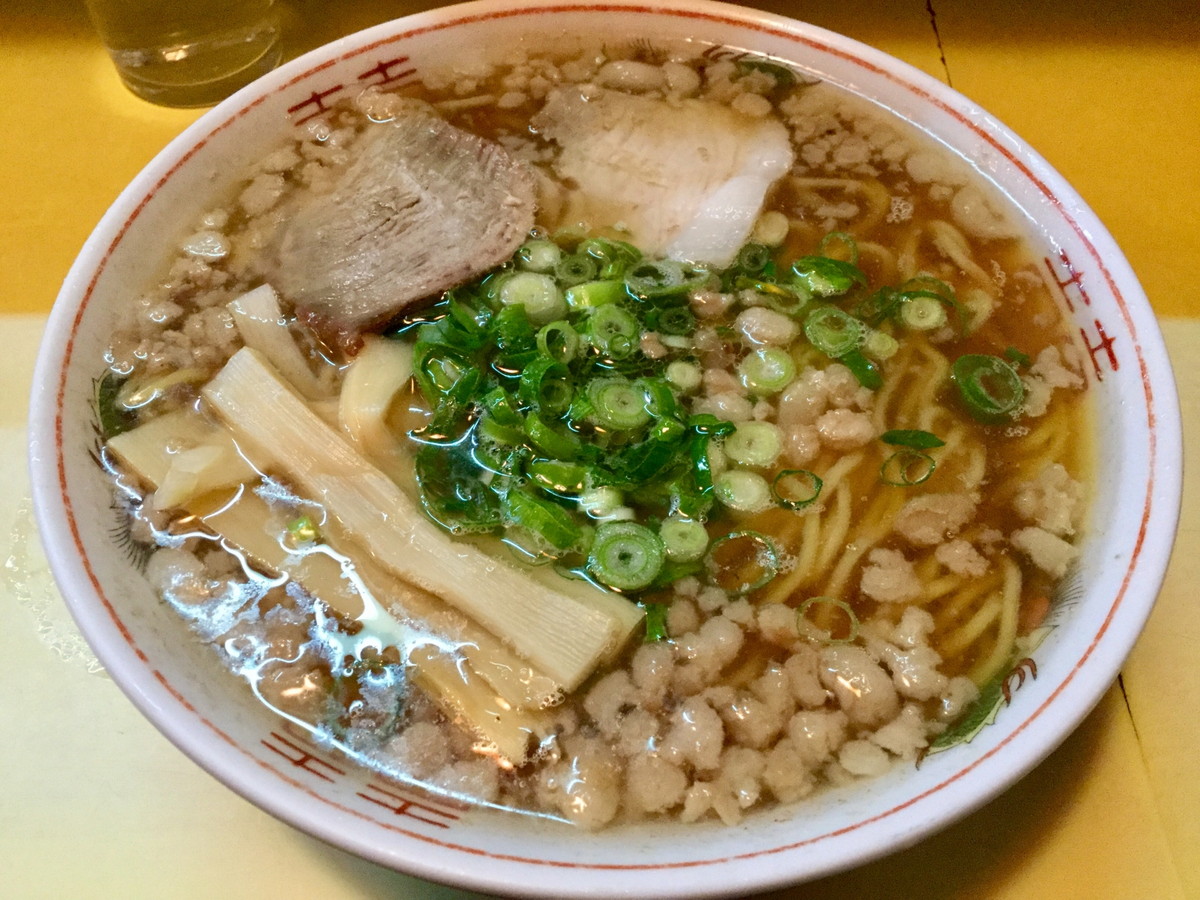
(172, 714)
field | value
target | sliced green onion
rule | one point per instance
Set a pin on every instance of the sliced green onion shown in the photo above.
(755, 444)
(490, 429)
(538, 293)
(918, 440)
(617, 403)
(454, 490)
(845, 239)
(538, 255)
(833, 331)
(814, 632)
(564, 479)
(685, 376)
(880, 345)
(639, 463)
(625, 555)
(676, 320)
(1017, 358)
(685, 539)
(594, 293)
(498, 457)
(601, 503)
(880, 306)
(438, 368)
(516, 342)
(866, 371)
(658, 278)
(989, 387)
(543, 518)
(907, 467)
(558, 341)
(545, 386)
(302, 530)
(796, 488)
(767, 370)
(558, 444)
(742, 562)
(656, 622)
(660, 399)
(753, 258)
(743, 491)
(827, 277)
(784, 77)
(613, 331)
(614, 257)
(503, 407)
(575, 269)
(923, 313)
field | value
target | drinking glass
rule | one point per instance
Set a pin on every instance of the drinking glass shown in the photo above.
(188, 52)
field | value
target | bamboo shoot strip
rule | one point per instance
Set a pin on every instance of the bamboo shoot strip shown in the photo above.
(262, 326)
(274, 427)
(514, 732)
(251, 526)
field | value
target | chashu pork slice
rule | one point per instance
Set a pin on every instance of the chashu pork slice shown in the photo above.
(684, 178)
(423, 207)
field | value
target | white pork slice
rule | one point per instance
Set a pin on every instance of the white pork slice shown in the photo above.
(423, 207)
(686, 179)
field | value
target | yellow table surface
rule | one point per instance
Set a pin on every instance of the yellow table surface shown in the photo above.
(95, 803)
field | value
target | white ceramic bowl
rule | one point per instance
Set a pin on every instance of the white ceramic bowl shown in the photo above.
(176, 683)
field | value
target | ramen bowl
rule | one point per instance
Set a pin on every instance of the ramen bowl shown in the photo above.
(178, 684)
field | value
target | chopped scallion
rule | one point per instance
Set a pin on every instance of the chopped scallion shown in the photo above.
(755, 444)
(907, 467)
(989, 387)
(743, 491)
(617, 403)
(685, 540)
(594, 293)
(767, 370)
(576, 269)
(833, 331)
(656, 622)
(538, 293)
(918, 440)
(625, 555)
(742, 562)
(796, 488)
(538, 255)
(923, 313)
(825, 606)
(685, 376)
(558, 341)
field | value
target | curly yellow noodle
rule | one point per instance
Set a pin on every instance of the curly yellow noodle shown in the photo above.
(926, 567)
(876, 196)
(863, 542)
(1006, 636)
(958, 641)
(831, 478)
(806, 562)
(818, 531)
(1049, 443)
(836, 529)
(878, 261)
(959, 603)
(976, 469)
(940, 587)
(953, 245)
(908, 247)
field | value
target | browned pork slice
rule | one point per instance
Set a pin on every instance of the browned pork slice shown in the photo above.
(423, 207)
